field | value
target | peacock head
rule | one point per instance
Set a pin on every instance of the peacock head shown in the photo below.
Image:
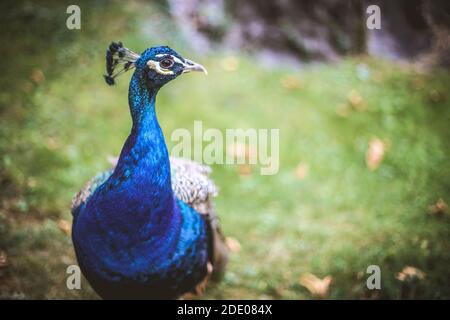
(155, 66)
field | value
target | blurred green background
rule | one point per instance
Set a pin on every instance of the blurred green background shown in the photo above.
(364, 173)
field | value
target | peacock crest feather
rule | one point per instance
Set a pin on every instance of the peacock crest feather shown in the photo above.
(118, 61)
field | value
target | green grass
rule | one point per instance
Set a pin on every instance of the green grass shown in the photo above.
(339, 219)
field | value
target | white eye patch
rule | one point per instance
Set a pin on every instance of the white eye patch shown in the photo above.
(155, 65)
(177, 60)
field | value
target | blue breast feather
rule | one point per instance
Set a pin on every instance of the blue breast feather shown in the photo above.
(132, 266)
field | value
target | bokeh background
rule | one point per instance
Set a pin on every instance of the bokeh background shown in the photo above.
(363, 115)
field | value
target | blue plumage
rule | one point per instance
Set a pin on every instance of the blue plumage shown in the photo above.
(132, 236)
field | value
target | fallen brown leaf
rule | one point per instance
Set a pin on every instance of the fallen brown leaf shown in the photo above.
(375, 153)
(409, 273)
(316, 286)
(52, 143)
(233, 244)
(244, 169)
(439, 208)
(291, 83)
(37, 76)
(65, 226)
(301, 171)
(356, 101)
(3, 259)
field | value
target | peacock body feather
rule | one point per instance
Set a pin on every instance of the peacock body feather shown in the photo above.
(142, 229)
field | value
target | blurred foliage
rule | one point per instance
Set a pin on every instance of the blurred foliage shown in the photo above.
(324, 213)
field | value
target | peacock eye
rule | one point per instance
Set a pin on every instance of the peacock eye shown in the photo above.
(166, 63)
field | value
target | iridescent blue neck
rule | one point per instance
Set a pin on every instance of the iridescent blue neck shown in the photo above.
(143, 167)
(141, 100)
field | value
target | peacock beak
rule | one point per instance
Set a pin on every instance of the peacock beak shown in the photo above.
(192, 66)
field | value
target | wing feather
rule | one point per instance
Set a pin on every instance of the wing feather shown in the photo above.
(192, 185)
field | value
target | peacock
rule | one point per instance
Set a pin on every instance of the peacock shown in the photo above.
(147, 228)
